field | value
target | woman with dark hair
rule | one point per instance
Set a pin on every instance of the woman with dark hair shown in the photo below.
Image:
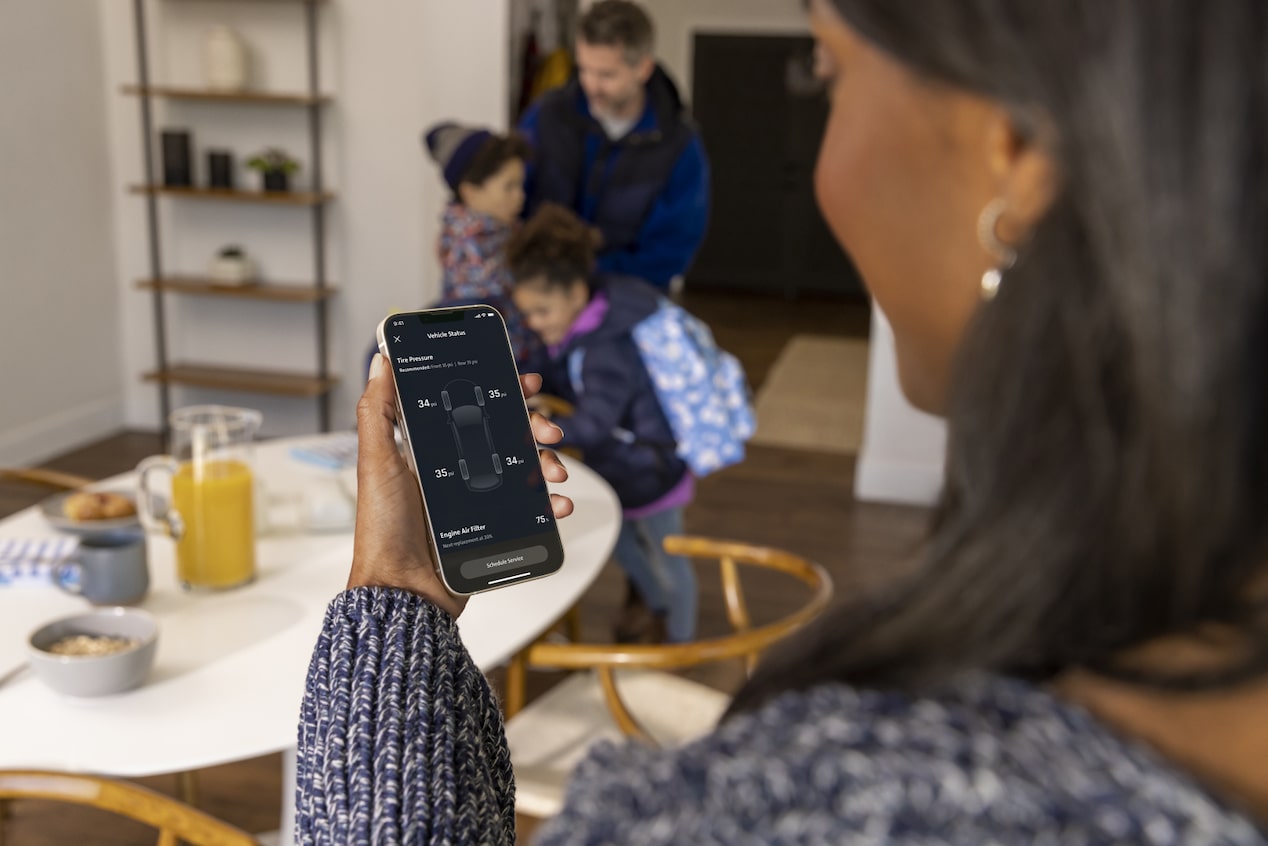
(1061, 208)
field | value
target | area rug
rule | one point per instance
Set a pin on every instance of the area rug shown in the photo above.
(814, 396)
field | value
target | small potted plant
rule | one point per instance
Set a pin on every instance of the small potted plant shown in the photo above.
(276, 167)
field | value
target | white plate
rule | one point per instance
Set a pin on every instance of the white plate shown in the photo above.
(54, 514)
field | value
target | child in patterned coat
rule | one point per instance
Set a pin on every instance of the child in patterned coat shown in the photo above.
(485, 172)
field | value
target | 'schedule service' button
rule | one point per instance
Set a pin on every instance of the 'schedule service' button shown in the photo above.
(479, 567)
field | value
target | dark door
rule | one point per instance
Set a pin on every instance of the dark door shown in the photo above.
(762, 135)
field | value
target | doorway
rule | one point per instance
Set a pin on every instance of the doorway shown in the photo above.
(761, 125)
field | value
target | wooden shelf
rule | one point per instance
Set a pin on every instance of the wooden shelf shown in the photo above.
(251, 381)
(272, 198)
(300, 2)
(202, 286)
(174, 92)
(306, 97)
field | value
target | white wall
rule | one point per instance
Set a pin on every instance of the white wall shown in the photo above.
(393, 68)
(678, 20)
(903, 449)
(59, 336)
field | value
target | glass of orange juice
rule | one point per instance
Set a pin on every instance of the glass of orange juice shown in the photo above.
(211, 507)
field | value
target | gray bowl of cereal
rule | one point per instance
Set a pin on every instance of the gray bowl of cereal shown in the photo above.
(96, 653)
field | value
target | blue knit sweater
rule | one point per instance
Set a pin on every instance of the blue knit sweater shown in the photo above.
(401, 742)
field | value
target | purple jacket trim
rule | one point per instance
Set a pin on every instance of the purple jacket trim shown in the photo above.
(679, 496)
(590, 318)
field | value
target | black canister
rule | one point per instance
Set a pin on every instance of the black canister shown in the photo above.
(220, 169)
(177, 158)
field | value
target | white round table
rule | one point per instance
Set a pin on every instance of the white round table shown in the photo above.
(230, 670)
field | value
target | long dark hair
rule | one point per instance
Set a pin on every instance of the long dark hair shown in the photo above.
(1107, 470)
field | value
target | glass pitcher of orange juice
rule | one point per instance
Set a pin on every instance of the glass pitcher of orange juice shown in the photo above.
(211, 506)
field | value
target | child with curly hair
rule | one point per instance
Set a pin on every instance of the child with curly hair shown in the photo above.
(585, 320)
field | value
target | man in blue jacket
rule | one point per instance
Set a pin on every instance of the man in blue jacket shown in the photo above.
(617, 145)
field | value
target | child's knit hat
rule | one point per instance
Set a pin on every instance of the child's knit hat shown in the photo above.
(453, 147)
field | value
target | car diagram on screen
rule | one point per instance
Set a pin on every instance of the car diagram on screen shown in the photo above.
(479, 464)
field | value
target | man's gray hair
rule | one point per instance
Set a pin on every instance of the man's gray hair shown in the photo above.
(619, 23)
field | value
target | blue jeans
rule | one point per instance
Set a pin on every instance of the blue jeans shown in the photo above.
(666, 582)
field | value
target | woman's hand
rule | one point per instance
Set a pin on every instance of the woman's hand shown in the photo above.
(391, 546)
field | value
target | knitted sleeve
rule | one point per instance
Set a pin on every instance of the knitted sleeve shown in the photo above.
(985, 760)
(400, 737)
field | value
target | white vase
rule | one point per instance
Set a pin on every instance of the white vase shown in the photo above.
(225, 64)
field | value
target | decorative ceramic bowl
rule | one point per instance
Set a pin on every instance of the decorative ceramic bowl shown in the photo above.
(232, 270)
(102, 662)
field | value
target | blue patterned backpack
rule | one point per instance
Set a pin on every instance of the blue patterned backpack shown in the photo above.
(701, 389)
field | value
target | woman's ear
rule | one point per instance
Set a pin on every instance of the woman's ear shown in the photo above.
(1025, 174)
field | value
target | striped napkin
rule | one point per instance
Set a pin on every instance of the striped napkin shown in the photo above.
(29, 562)
(334, 452)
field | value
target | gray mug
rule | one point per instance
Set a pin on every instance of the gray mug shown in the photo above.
(106, 570)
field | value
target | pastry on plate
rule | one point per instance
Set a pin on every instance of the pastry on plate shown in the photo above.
(97, 505)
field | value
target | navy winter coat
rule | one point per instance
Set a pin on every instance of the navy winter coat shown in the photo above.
(618, 423)
(648, 192)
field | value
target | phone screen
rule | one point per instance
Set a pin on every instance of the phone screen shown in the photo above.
(466, 426)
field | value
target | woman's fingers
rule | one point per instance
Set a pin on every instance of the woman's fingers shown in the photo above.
(554, 471)
(561, 505)
(376, 415)
(552, 468)
(530, 384)
(545, 432)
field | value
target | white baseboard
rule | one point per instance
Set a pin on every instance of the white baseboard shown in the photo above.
(905, 482)
(34, 442)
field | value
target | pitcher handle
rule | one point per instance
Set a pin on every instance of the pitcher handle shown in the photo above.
(155, 509)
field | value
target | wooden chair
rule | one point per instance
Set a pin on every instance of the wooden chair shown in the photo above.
(626, 691)
(21, 487)
(46, 478)
(175, 821)
(550, 405)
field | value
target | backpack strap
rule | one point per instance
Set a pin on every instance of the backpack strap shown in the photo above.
(576, 358)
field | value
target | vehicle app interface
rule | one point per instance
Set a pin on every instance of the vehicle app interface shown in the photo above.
(473, 448)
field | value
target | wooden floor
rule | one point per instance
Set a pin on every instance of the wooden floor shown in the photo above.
(795, 499)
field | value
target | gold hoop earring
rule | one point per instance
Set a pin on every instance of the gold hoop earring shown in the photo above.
(1003, 253)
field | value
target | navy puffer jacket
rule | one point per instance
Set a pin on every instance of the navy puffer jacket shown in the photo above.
(618, 423)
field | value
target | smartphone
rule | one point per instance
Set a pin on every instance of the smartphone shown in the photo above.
(468, 440)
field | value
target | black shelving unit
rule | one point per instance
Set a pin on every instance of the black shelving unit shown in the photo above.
(315, 294)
